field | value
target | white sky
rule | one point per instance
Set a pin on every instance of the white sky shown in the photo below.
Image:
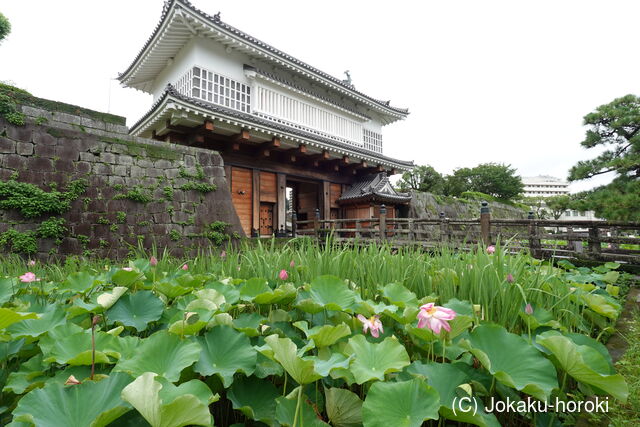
(485, 81)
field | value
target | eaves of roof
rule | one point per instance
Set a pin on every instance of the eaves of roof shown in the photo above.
(172, 94)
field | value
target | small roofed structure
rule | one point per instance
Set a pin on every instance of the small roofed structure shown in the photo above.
(363, 198)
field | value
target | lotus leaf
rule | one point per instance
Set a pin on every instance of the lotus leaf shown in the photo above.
(225, 352)
(255, 398)
(332, 293)
(78, 282)
(162, 353)
(302, 370)
(523, 367)
(164, 405)
(230, 292)
(586, 365)
(325, 335)
(52, 317)
(136, 310)
(107, 299)
(344, 408)
(407, 403)
(286, 411)
(398, 295)
(9, 317)
(373, 360)
(94, 404)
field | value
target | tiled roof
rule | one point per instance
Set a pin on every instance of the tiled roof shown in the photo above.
(171, 91)
(216, 22)
(373, 187)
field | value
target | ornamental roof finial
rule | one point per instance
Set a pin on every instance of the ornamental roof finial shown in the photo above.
(347, 81)
(216, 17)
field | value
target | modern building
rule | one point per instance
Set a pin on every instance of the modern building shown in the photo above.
(544, 186)
(281, 125)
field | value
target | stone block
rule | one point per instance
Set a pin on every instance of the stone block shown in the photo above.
(162, 164)
(20, 133)
(118, 148)
(40, 164)
(64, 165)
(48, 151)
(7, 146)
(120, 170)
(88, 157)
(89, 144)
(189, 161)
(67, 152)
(125, 160)
(154, 173)
(108, 158)
(101, 169)
(172, 173)
(137, 172)
(83, 168)
(43, 138)
(143, 163)
(116, 180)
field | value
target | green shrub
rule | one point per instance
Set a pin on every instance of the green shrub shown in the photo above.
(52, 228)
(17, 242)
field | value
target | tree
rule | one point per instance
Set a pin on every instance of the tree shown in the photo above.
(422, 178)
(556, 205)
(494, 179)
(537, 205)
(5, 27)
(616, 128)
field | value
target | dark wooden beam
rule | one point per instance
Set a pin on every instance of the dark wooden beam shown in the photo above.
(243, 136)
(208, 125)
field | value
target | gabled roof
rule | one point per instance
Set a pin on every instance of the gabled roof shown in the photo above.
(171, 99)
(180, 21)
(375, 188)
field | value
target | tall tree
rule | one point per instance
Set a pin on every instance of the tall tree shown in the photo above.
(556, 205)
(497, 180)
(5, 27)
(615, 127)
(422, 178)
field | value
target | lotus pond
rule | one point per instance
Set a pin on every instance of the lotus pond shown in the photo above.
(303, 335)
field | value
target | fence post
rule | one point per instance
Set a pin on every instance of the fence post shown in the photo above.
(444, 228)
(316, 223)
(534, 242)
(410, 233)
(485, 223)
(294, 225)
(594, 241)
(383, 222)
(358, 227)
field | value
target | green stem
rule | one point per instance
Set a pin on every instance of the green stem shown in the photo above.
(295, 417)
(284, 392)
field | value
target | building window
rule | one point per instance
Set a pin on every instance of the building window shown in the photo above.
(212, 87)
(372, 140)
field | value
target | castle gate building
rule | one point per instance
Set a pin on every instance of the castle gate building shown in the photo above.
(292, 137)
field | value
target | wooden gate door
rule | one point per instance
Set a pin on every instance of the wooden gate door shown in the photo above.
(266, 219)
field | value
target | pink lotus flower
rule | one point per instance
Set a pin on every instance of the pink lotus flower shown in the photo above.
(185, 267)
(28, 277)
(373, 323)
(31, 263)
(283, 275)
(491, 249)
(528, 309)
(127, 268)
(153, 261)
(223, 254)
(435, 317)
(71, 381)
(510, 278)
(292, 264)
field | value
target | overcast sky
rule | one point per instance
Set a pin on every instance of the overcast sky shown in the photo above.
(485, 81)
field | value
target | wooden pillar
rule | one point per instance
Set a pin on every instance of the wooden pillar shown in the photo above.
(444, 228)
(326, 200)
(227, 172)
(383, 222)
(294, 223)
(316, 222)
(485, 223)
(281, 205)
(594, 241)
(534, 242)
(255, 204)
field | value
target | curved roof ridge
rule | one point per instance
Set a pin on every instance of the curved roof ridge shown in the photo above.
(217, 21)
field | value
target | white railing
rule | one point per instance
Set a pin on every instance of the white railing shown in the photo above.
(212, 87)
(278, 107)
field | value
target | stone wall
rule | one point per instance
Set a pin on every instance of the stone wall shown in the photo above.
(427, 206)
(140, 192)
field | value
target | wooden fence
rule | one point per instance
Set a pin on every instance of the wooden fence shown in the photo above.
(590, 240)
